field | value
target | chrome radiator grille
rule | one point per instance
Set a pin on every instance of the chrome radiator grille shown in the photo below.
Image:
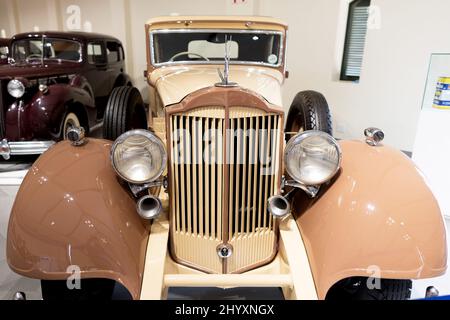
(224, 166)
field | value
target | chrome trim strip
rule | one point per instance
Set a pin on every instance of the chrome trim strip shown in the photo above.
(23, 147)
(96, 126)
(168, 63)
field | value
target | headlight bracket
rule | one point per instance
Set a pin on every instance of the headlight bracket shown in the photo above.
(136, 189)
(311, 191)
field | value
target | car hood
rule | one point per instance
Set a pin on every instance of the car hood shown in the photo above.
(175, 83)
(31, 71)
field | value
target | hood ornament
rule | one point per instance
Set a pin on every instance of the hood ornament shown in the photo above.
(224, 77)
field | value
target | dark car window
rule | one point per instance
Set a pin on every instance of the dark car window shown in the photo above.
(113, 51)
(95, 53)
(49, 49)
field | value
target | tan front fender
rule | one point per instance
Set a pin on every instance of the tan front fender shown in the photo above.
(378, 214)
(71, 210)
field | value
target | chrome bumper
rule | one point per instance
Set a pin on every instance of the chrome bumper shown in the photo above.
(23, 147)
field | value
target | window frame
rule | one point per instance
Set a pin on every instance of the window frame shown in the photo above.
(122, 52)
(351, 6)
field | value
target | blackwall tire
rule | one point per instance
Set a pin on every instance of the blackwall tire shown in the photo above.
(357, 289)
(309, 111)
(90, 289)
(124, 111)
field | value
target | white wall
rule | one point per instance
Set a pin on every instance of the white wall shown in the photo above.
(388, 95)
(7, 21)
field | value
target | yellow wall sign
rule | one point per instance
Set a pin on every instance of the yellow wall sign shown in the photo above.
(442, 96)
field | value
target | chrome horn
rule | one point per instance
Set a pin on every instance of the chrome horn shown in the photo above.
(278, 206)
(149, 207)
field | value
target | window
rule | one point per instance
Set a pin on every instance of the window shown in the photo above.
(95, 53)
(113, 51)
(212, 50)
(208, 46)
(355, 39)
(27, 50)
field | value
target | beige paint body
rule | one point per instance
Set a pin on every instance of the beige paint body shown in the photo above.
(175, 83)
(377, 218)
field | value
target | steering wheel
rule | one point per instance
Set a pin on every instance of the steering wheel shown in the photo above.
(179, 54)
(33, 56)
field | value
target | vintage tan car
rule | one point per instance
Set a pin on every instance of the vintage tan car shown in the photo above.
(222, 190)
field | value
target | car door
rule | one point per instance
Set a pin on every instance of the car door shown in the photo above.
(114, 55)
(114, 59)
(97, 74)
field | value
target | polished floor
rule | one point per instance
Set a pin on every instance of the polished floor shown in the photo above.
(11, 282)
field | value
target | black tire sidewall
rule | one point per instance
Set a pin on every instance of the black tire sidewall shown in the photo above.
(311, 109)
(123, 105)
(390, 289)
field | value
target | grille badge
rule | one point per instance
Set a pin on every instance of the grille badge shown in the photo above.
(224, 250)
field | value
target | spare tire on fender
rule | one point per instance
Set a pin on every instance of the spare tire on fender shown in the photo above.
(124, 111)
(309, 111)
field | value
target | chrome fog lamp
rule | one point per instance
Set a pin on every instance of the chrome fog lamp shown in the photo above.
(16, 88)
(138, 156)
(312, 157)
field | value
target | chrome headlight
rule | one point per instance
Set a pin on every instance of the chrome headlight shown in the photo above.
(312, 157)
(138, 156)
(16, 88)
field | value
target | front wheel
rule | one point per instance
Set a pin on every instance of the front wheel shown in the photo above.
(89, 289)
(125, 111)
(70, 121)
(357, 288)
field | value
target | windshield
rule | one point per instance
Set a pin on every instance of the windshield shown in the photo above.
(28, 50)
(205, 46)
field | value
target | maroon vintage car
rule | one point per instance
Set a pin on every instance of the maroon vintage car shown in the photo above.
(55, 81)
(4, 50)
